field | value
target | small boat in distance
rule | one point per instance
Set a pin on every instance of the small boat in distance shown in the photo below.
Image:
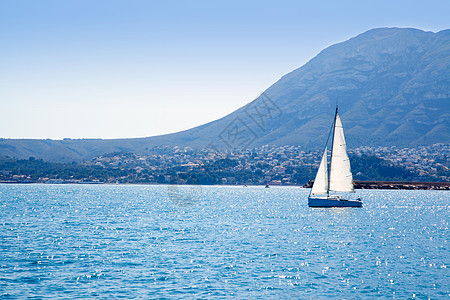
(339, 178)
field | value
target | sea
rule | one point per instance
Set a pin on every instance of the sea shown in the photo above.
(220, 242)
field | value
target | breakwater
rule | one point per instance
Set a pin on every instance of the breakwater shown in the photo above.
(401, 185)
(395, 185)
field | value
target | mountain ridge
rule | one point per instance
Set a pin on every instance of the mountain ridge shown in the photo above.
(391, 84)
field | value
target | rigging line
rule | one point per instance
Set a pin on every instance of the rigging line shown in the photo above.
(332, 142)
(329, 133)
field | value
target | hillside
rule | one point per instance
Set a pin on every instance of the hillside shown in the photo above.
(392, 86)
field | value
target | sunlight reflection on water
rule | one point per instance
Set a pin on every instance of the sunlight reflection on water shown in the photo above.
(250, 242)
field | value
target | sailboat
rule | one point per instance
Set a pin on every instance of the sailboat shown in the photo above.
(338, 178)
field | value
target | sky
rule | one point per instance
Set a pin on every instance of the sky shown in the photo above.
(124, 69)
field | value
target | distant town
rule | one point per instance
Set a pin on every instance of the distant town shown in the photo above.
(286, 165)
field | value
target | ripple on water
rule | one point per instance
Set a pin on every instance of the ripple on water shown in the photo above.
(71, 241)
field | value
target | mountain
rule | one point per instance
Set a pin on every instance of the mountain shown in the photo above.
(391, 84)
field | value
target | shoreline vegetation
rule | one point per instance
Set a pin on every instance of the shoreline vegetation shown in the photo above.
(422, 168)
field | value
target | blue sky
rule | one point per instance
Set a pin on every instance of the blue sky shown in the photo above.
(110, 69)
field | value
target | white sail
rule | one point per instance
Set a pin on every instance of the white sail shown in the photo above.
(341, 179)
(320, 185)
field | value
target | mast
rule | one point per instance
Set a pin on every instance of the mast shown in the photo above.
(332, 144)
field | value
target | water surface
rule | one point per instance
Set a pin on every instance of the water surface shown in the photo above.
(125, 241)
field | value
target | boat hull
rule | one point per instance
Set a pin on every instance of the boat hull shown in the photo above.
(333, 202)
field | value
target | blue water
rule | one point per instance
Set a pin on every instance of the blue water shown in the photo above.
(100, 241)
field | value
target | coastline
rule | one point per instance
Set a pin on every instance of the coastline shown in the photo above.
(359, 185)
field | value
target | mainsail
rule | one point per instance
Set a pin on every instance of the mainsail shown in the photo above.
(338, 179)
(341, 179)
(320, 185)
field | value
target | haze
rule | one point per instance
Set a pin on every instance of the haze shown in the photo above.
(110, 69)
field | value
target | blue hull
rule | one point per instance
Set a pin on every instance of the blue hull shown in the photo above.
(333, 202)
